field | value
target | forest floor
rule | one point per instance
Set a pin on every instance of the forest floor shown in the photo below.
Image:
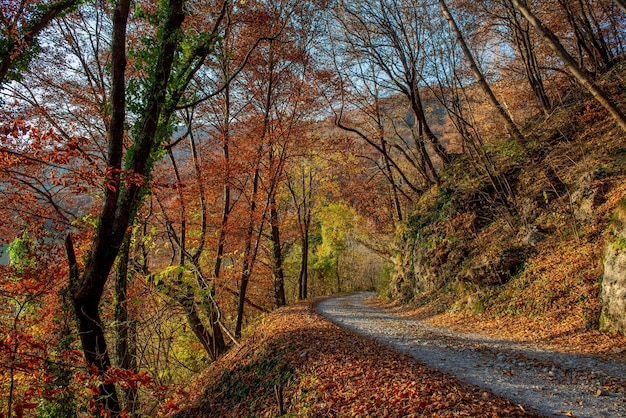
(315, 368)
(297, 363)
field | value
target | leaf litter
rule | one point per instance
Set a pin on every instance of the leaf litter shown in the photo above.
(554, 383)
(315, 368)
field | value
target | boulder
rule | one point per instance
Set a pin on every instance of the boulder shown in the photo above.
(533, 237)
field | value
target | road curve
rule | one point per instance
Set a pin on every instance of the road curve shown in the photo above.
(552, 383)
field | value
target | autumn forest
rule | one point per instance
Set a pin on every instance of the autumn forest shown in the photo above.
(171, 171)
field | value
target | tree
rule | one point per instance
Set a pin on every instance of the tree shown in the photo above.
(302, 186)
(504, 116)
(517, 31)
(188, 259)
(400, 152)
(337, 225)
(455, 91)
(119, 205)
(580, 74)
(20, 24)
(34, 345)
(281, 104)
(588, 34)
(388, 37)
(124, 188)
(125, 344)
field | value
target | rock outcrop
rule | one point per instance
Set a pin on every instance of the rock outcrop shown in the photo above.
(613, 291)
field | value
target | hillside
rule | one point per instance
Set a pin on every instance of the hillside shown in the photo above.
(324, 370)
(173, 171)
(531, 269)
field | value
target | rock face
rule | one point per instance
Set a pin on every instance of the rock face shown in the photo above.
(586, 196)
(418, 268)
(491, 269)
(426, 261)
(613, 291)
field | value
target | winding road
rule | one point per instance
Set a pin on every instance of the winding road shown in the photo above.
(551, 383)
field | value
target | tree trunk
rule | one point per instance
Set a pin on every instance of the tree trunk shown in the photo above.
(588, 39)
(91, 334)
(125, 344)
(249, 257)
(338, 275)
(579, 73)
(87, 290)
(303, 277)
(95, 348)
(226, 190)
(303, 210)
(388, 171)
(246, 270)
(482, 82)
(425, 131)
(214, 316)
(186, 296)
(120, 203)
(595, 33)
(426, 163)
(277, 257)
(394, 191)
(524, 43)
(209, 303)
(187, 301)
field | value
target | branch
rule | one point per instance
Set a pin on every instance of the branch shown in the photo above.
(71, 259)
(16, 47)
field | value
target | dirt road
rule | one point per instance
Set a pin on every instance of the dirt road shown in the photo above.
(552, 383)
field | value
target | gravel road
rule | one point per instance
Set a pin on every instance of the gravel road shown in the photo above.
(551, 383)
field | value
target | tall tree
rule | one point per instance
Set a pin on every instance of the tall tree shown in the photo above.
(188, 258)
(302, 188)
(363, 112)
(123, 194)
(389, 36)
(580, 74)
(502, 113)
(281, 107)
(521, 37)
